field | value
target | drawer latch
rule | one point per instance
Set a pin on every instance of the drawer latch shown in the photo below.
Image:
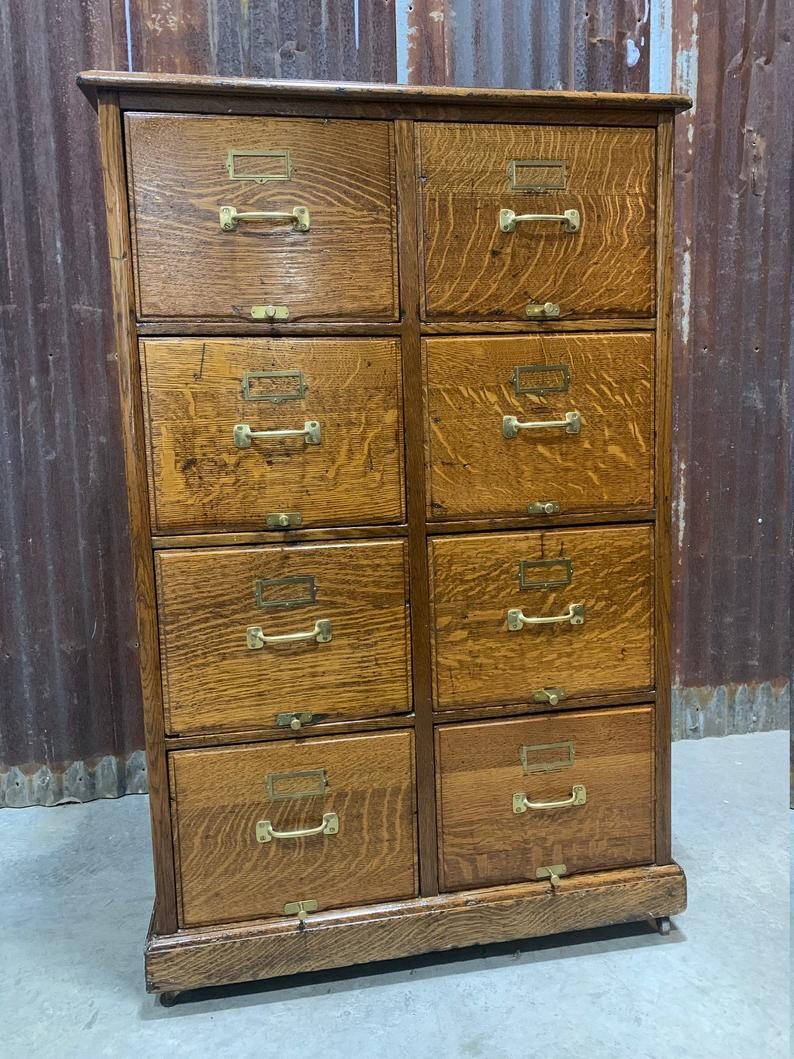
(544, 507)
(295, 721)
(552, 872)
(552, 696)
(300, 908)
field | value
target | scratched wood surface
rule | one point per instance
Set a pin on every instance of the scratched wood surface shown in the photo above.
(244, 952)
(473, 470)
(207, 598)
(482, 842)
(474, 270)
(220, 795)
(475, 580)
(194, 397)
(342, 171)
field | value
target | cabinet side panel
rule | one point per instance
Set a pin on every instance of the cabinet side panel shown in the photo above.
(112, 156)
(664, 278)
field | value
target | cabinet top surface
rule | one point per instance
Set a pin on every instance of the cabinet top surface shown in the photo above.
(92, 80)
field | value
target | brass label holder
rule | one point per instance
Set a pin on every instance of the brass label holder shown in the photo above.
(234, 154)
(298, 599)
(537, 174)
(521, 385)
(275, 396)
(565, 566)
(281, 786)
(564, 762)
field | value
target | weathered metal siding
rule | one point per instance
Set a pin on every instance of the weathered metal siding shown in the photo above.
(732, 498)
(68, 679)
(69, 696)
(595, 45)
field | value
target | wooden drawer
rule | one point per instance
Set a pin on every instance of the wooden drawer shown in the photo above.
(478, 659)
(474, 269)
(482, 464)
(197, 391)
(361, 787)
(218, 674)
(341, 172)
(485, 769)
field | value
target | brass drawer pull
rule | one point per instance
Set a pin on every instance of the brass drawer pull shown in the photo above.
(256, 638)
(516, 618)
(572, 424)
(578, 796)
(330, 826)
(243, 435)
(230, 217)
(570, 219)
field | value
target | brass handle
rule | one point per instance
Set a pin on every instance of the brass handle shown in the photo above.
(255, 636)
(230, 217)
(330, 826)
(578, 796)
(516, 618)
(569, 219)
(243, 435)
(572, 424)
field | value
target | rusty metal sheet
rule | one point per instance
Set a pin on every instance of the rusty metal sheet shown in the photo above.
(68, 673)
(336, 40)
(733, 344)
(599, 45)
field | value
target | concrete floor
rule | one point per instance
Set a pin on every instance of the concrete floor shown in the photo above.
(78, 892)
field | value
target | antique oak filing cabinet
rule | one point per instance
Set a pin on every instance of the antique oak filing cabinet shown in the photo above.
(395, 383)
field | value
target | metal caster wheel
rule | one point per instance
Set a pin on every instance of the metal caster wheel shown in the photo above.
(663, 925)
(167, 1000)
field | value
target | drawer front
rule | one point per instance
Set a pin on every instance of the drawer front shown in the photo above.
(475, 269)
(497, 780)
(597, 582)
(337, 260)
(218, 609)
(488, 399)
(207, 399)
(236, 812)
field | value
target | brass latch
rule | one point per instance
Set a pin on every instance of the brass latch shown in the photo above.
(542, 311)
(300, 908)
(550, 695)
(552, 873)
(283, 519)
(544, 507)
(295, 721)
(269, 312)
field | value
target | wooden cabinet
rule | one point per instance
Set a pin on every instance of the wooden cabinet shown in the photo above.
(394, 371)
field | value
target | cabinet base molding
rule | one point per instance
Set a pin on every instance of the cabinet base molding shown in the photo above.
(254, 951)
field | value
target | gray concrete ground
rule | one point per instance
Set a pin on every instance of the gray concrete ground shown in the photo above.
(77, 894)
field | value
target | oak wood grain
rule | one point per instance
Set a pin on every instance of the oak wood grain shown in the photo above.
(415, 483)
(207, 599)
(200, 480)
(248, 952)
(186, 265)
(132, 434)
(293, 91)
(473, 470)
(474, 270)
(483, 842)
(220, 795)
(475, 580)
(664, 484)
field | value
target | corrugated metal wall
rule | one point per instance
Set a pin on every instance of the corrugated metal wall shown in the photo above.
(69, 699)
